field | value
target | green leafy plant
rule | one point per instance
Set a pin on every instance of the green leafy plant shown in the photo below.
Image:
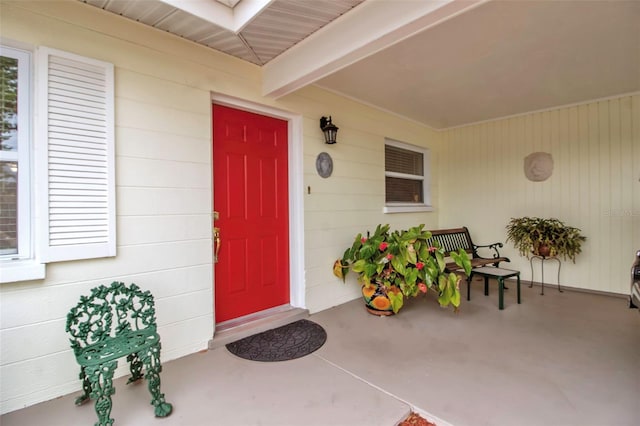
(548, 237)
(403, 264)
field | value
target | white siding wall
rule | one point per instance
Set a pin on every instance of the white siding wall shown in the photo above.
(595, 185)
(163, 178)
(351, 200)
(163, 205)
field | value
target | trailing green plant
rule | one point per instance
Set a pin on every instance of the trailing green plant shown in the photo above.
(530, 235)
(403, 264)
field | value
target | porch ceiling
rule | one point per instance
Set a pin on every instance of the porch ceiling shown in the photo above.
(443, 63)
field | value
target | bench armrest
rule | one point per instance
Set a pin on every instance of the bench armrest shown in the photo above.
(493, 247)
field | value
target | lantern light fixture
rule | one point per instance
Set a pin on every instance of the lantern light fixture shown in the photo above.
(329, 129)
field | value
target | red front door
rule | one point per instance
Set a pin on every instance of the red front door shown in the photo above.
(250, 184)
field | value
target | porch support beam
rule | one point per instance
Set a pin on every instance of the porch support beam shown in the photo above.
(369, 28)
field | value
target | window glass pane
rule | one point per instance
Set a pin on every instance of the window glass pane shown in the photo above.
(8, 104)
(403, 190)
(8, 207)
(403, 161)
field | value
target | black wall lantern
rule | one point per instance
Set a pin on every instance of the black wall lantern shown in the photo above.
(329, 129)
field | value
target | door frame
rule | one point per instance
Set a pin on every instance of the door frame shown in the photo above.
(296, 185)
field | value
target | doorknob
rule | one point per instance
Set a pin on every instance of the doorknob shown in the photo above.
(217, 239)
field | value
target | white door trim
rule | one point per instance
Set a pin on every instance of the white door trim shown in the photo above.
(296, 191)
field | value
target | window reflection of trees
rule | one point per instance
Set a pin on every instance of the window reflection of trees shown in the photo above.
(8, 142)
(8, 103)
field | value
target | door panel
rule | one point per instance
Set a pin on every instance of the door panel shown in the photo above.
(250, 160)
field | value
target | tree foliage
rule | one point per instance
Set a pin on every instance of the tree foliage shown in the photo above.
(8, 97)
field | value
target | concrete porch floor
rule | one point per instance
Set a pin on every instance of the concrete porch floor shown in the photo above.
(567, 358)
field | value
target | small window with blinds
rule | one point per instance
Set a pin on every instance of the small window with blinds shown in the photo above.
(406, 177)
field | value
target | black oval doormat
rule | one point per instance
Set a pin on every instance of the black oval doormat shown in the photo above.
(290, 341)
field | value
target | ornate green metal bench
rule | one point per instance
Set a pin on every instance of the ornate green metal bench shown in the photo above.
(114, 322)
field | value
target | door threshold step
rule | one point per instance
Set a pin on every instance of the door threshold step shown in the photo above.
(230, 331)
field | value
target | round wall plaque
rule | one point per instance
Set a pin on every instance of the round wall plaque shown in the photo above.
(324, 165)
(538, 166)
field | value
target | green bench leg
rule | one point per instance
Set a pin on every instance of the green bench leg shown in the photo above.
(151, 361)
(135, 366)
(518, 280)
(101, 378)
(501, 293)
(86, 388)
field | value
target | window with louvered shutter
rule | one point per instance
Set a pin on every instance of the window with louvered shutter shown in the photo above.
(76, 142)
(406, 177)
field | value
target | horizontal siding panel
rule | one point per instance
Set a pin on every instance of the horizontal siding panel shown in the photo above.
(174, 307)
(163, 201)
(159, 229)
(355, 202)
(188, 263)
(36, 376)
(148, 89)
(162, 119)
(141, 172)
(156, 145)
(52, 338)
(176, 343)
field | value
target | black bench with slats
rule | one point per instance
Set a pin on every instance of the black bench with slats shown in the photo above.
(457, 238)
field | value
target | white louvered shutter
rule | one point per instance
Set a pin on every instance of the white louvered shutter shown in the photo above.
(76, 157)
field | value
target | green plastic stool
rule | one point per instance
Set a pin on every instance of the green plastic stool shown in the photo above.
(114, 322)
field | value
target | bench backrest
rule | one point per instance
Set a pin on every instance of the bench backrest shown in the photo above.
(453, 239)
(108, 312)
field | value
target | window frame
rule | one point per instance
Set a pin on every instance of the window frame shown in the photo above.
(23, 265)
(37, 170)
(408, 207)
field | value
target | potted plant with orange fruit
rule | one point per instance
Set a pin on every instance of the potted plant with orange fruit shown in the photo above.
(392, 266)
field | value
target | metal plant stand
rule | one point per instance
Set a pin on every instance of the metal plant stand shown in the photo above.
(542, 260)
